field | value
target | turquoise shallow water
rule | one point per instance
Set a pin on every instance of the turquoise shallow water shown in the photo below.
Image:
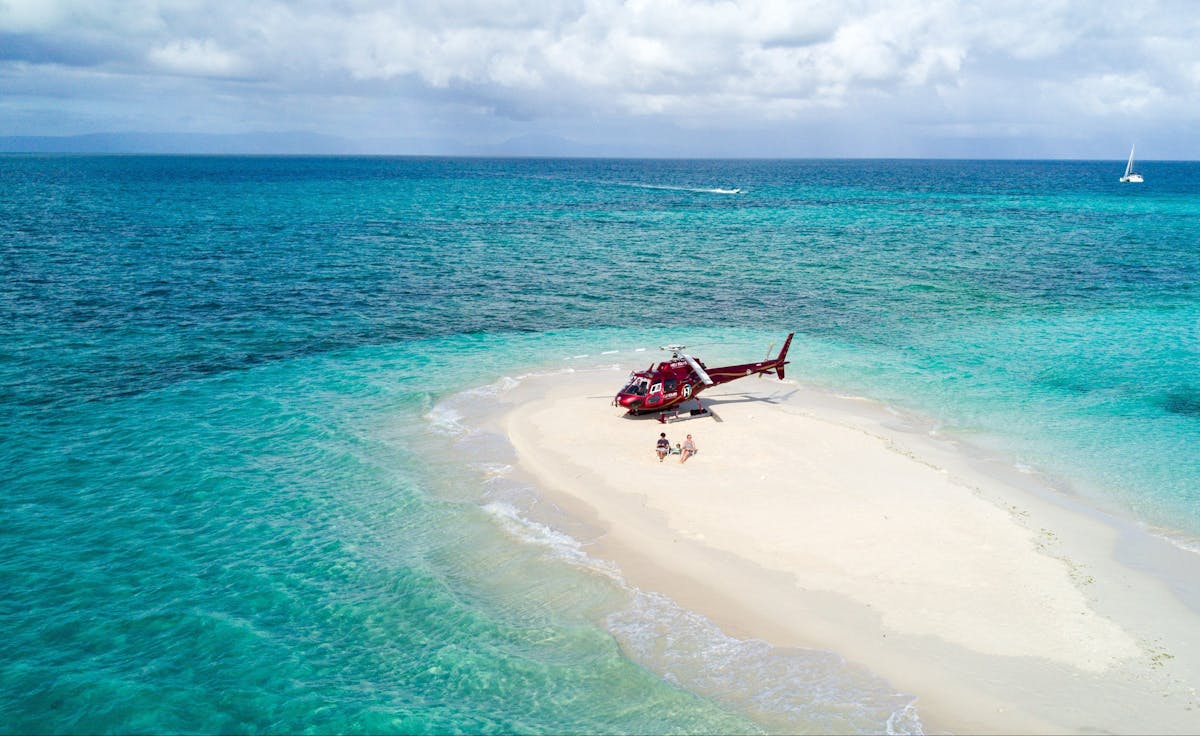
(233, 414)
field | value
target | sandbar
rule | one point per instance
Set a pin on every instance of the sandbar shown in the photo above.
(814, 520)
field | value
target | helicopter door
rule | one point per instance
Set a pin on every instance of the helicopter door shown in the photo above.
(655, 396)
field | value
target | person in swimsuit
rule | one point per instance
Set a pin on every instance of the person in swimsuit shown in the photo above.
(663, 447)
(689, 449)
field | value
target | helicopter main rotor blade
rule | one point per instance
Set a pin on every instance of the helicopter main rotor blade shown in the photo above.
(696, 367)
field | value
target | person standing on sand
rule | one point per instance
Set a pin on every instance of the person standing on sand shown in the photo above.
(663, 447)
(689, 449)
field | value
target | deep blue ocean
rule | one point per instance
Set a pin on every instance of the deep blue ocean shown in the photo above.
(230, 390)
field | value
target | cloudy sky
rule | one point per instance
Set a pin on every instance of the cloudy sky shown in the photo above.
(776, 78)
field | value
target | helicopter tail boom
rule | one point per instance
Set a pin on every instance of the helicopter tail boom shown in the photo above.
(728, 373)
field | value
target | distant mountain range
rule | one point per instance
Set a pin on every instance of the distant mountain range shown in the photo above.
(536, 145)
(243, 143)
(290, 143)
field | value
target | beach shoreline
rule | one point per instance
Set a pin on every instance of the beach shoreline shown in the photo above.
(817, 521)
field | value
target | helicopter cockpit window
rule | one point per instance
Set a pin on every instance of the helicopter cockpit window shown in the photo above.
(670, 385)
(636, 387)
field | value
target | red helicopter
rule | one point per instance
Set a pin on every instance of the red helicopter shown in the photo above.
(672, 382)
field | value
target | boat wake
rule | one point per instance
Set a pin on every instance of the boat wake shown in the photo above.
(701, 190)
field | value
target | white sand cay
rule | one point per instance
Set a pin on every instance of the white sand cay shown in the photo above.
(808, 520)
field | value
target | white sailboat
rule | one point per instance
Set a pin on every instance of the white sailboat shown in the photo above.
(1131, 177)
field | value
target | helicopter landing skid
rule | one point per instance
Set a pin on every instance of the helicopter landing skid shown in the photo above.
(679, 416)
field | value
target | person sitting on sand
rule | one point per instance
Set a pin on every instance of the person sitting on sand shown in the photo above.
(689, 449)
(663, 447)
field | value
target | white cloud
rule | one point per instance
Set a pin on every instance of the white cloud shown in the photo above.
(24, 16)
(195, 57)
